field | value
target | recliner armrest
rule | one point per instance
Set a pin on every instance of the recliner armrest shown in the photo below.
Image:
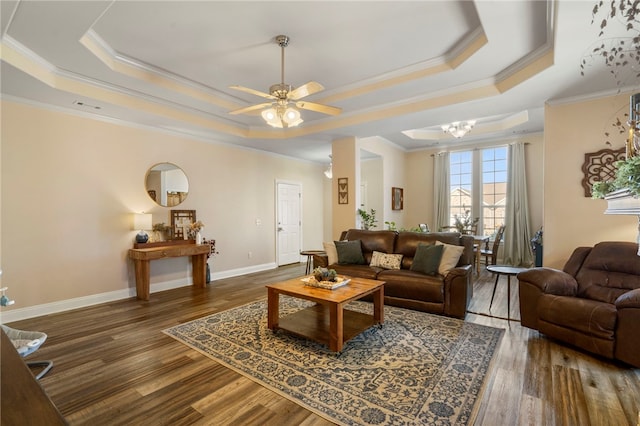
(550, 281)
(630, 299)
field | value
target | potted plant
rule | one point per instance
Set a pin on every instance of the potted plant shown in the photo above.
(464, 223)
(627, 177)
(368, 219)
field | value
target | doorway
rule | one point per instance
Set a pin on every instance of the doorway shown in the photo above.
(288, 222)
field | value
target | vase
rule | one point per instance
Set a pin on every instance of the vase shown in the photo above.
(198, 238)
(208, 276)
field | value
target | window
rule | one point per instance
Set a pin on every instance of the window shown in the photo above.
(494, 188)
(486, 169)
(461, 183)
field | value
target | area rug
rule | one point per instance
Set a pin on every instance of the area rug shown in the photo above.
(417, 368)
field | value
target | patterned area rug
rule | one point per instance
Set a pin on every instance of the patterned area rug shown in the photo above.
(415, 369)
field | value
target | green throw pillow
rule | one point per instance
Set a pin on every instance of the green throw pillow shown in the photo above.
(349, 252)
(427, 259)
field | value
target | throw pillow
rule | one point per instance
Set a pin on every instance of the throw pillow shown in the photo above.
(332, 253)
(386, 260)
(349, 252)
(450, 257)
(427, 259)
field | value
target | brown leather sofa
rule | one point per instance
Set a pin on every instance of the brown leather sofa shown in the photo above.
(593, 303)
(448, 295)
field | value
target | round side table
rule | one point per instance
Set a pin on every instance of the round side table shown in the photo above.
(309, 254)
(509, 271)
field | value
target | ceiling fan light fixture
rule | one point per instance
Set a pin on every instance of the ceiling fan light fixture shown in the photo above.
(272, 117)
(292, 117)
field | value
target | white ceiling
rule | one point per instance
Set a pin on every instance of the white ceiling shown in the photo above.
(392, 67)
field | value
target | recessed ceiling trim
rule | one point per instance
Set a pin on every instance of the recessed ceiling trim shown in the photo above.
(70, 83)
(124, 65)
(463, 51)
(482, 127)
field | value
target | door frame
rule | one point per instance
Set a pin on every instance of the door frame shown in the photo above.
(277, 215)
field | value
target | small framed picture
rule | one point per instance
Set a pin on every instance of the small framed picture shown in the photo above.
(180, 221)
(397, 198)
(343, 190)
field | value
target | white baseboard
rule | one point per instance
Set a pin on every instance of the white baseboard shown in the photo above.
(95, 299)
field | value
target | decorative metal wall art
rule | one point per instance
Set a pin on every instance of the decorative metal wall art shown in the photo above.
(600, 166)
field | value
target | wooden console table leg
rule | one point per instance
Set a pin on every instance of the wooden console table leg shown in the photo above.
(142, 278)
(199, 270)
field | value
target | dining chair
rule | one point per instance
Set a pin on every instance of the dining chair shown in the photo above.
(493, 252)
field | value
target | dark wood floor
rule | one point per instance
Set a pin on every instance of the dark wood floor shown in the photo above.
(114, 366)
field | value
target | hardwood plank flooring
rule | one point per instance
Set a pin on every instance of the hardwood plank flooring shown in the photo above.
(114, 366)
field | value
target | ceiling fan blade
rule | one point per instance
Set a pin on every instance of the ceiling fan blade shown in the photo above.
(250, 108)
(305, 90)
(325, 109)
(252, 91)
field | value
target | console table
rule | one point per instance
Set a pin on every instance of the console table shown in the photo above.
(142, 258)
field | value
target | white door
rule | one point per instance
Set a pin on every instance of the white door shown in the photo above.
(288, 226)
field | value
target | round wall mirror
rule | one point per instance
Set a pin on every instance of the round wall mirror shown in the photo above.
(166, 184)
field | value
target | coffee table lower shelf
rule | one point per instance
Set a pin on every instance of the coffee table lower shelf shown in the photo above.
(314, 323)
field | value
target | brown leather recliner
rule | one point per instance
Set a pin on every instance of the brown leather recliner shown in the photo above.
(593, 303)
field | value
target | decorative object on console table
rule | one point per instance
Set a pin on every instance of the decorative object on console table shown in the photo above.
(142, 222)
(180, 221)
(343, 190)
(160, 231)
(194, 231)
(397, 198)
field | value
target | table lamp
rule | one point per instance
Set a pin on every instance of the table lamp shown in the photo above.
(142, 221)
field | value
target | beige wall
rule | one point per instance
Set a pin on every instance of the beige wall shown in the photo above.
(393, 175)
(70, 185)
(372, 177)
(571, 219)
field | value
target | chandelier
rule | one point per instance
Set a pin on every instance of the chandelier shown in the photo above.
(459, 128)
(282, 115)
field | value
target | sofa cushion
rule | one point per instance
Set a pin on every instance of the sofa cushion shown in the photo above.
(332, 253)
(349, 252)
(427, 259)
(386, 260)
(360, 271)
(586, 316)
(407, 284)
(450, 257)
(382, 241)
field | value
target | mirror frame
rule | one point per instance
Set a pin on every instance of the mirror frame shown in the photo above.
(154, 192)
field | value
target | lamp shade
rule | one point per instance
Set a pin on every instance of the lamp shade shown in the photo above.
(142, 221)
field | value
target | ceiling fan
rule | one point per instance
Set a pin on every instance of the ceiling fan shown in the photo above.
(281, 111)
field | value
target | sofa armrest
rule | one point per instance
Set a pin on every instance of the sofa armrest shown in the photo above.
(550, 281)
(536, 282)
(627, 346)
(458, 290)
(629, 300)
(320, 261)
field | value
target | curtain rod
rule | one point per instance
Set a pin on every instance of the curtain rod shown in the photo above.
(475, 149)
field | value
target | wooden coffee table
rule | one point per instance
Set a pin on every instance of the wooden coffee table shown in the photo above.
(327, 321)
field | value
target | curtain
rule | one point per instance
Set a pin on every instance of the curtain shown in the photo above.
(441, 190)
(517, 237)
